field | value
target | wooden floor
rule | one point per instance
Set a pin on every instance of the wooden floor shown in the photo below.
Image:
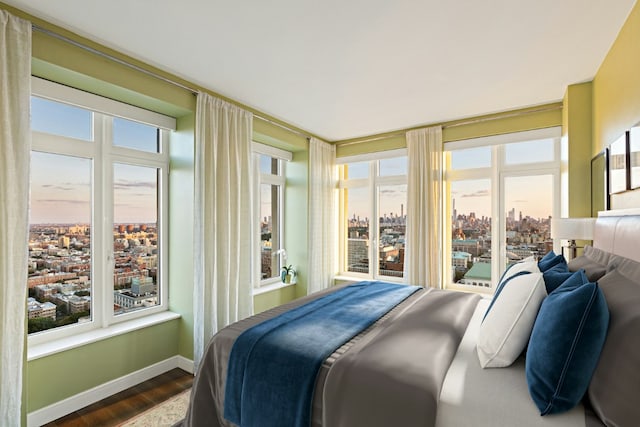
(128, 403)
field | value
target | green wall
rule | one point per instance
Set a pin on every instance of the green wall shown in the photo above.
(577, 135)
(59, 376)
(616, 86)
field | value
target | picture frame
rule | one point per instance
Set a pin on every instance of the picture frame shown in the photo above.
(634, 157)
(618, 165)
(600, 200)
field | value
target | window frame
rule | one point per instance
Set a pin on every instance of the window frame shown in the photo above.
(373, 183)
(280, 180)
(103, 155)
(497, 173)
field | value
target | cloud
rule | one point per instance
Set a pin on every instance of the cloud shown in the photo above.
(394, 192)
(479, 193)
(66, 202)
(127, 185)
(58, 187)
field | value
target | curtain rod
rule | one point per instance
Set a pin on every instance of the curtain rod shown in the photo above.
(452, 125)
(147, 72)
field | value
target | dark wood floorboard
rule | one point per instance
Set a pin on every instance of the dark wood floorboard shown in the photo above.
(128, 403)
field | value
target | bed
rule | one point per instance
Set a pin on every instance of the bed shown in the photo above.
(420, 363)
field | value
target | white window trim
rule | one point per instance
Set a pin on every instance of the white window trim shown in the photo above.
(103, 318)
(270, 151)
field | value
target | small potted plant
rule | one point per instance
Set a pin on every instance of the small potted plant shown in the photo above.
(288, 274)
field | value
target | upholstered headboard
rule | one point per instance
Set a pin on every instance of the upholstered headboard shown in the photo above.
(618, 232)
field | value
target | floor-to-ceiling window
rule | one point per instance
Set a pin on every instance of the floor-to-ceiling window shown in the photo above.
(270, 164)
(503, 192)
(373, 221)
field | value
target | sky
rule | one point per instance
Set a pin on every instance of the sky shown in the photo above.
(61, 185)
(390, 197)
(531, 195)
(60, 191)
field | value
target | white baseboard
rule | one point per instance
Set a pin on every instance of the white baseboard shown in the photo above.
(185, 364)
(95, 394)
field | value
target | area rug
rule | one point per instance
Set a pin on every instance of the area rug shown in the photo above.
(163, 414)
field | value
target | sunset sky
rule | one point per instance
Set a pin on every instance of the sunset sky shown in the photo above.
(60, 185)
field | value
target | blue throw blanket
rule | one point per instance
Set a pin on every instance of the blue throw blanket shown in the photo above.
(273, 366)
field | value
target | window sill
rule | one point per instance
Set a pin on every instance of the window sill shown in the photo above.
(345, 277)
(341, 278)
(47, 349)
(271, 287)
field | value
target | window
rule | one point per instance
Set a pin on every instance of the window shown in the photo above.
(373, 198)
(271, 163)
(502, 194)
(98, 217)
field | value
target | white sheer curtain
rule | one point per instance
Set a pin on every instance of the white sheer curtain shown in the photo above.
(224, 226)
(323, 177)
(424, 259)
(15, 144)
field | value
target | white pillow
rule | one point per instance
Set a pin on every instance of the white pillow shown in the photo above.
(527, 264)
(507, 326)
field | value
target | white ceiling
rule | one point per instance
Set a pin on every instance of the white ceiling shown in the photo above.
(348, 68)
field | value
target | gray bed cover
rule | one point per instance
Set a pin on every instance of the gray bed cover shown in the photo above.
(391, 374)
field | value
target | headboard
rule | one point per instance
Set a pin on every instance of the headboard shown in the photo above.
(618, 232)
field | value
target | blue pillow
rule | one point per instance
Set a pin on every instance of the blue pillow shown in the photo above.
(565, 344)
(550, 260)
(555, 276)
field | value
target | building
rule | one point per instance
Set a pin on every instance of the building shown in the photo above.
(142, 285)
(126, 300)
(478, 275)
(460, 260)
(37, 309)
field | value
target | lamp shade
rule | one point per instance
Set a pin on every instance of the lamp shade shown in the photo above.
(572, 228)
